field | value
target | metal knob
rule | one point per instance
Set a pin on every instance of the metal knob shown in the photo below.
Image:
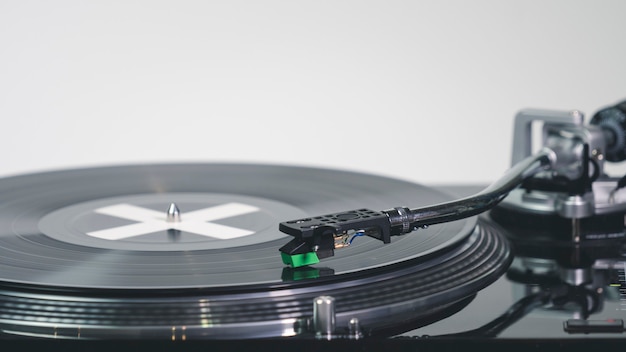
(324, 316)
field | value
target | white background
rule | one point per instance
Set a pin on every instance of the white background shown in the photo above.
(419, 90)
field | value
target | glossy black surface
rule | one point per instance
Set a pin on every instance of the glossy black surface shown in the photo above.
(538, 295)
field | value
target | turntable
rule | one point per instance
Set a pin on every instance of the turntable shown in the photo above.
(196, 252)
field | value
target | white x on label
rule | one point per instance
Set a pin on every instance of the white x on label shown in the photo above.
(149, 221)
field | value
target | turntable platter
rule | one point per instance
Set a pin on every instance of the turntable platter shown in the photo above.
(147, 247)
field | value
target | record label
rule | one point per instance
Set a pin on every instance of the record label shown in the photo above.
(139, 222)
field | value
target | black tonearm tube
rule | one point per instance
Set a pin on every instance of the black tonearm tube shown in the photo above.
(317, 237)
(564, 169)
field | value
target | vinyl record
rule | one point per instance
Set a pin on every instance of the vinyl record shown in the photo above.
(91, 252)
